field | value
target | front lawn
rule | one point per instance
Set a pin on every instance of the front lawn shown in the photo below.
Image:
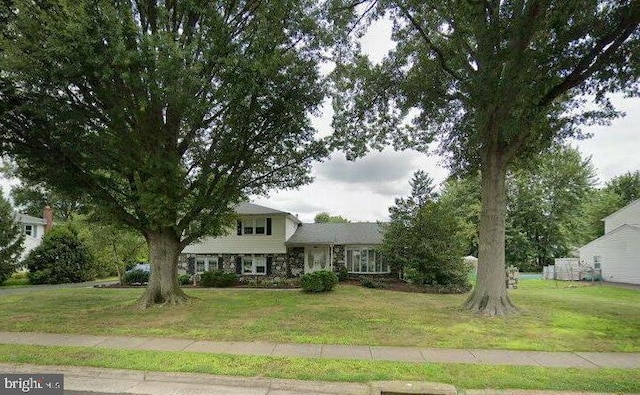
(554, 317)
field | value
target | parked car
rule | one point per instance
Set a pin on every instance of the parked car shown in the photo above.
(145, 267)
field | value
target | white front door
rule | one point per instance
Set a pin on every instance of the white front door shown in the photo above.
(316, 258)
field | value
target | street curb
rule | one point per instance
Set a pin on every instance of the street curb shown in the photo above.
(195, 379)
(142, 382)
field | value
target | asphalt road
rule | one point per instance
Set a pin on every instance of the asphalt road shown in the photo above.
(66, 392)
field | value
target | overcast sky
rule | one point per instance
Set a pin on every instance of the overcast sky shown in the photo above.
(363, 190)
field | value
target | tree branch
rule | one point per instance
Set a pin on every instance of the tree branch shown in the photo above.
(435, 49)
(603, 49)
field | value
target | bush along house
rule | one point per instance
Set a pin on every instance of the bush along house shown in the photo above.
(272, 243)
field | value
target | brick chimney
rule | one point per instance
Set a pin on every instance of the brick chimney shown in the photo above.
(47, 215)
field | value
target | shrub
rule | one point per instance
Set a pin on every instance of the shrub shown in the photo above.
(320, 281)
(218, 279)
(61, 258)
(17, 278)
(137, 277)
(343, 274)
(20, 276)
(370, 283)
(184, 279)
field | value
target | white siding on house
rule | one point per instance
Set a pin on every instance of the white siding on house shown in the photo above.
(629, 214)
(245, 244)
(619, 254)
(290, 227)
(31, 242)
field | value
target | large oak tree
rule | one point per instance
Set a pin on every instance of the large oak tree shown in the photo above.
(166, 113)
(492, 81)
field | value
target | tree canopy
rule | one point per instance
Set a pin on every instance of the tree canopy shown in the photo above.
(324, 217)
(626, 185)
(422, 241)
(493, 82)
(165, 113)
(545, 214)
(11, 240)
(544, 207)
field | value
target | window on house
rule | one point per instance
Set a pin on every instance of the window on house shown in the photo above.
(206, 263)
(247, 265)
(28, 230)
(260, 225)
(200, 265)
(597, 262)
(260, 264)
(247, 228)
(254, 226)
(365, 260)
(254, 264)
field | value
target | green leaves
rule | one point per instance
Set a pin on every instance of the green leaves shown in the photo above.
(424, 239)
(11, 240)
(164, 113)
(508, 73)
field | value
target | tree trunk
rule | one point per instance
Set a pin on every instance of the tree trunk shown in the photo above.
(489, 296)
(163, 287)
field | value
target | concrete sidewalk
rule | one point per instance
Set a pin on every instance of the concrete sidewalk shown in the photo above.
(90, 381)
(375, 353)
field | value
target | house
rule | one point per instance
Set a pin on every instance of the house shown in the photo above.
(269, 242)
(617, 252)
(34, 229)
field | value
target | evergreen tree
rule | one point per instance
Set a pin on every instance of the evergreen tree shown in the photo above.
(423, 239)
(11, 239)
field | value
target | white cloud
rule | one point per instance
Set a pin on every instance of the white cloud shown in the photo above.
(614, 148)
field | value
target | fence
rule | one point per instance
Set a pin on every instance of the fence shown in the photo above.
(571, 273)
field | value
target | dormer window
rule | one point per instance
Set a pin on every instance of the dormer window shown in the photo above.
(254, 226)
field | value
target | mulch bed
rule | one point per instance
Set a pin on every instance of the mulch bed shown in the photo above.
(396, 284)
(388, 284)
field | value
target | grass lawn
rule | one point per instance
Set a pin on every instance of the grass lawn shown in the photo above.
(460, 375)
(554, 317)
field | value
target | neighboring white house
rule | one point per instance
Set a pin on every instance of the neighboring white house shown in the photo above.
(268, 242)
(617, 252)
(33, 229)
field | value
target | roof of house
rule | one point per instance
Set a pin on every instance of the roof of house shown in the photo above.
(27, 219)
(612, 234)
(623, 209)
(255, 209)
(338, 233)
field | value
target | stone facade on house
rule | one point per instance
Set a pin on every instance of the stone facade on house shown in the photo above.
(270, 243)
